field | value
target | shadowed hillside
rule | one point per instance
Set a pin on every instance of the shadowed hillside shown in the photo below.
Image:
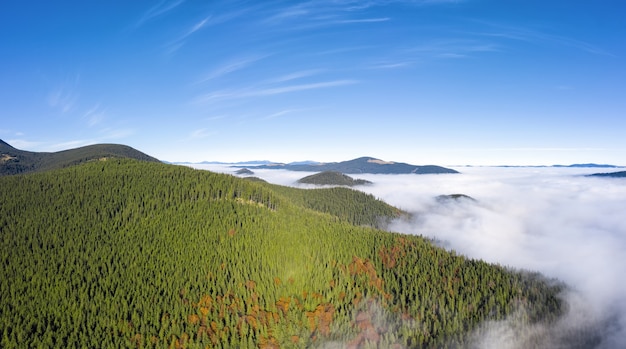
(14, 161)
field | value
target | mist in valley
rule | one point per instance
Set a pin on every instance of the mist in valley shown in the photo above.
(555, 221)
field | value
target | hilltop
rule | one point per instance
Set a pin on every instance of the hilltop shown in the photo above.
(619, 174)
(127, 253)
(454, 198)
(244, 172)
(15, 161)
(362, 165)
(332, 178)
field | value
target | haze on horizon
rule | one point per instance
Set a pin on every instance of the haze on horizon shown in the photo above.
(445, 82)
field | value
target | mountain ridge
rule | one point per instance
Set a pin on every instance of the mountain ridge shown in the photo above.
(15, 161)
(618, 174)
(363, 164)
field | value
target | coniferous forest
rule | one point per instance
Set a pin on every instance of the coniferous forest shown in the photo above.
(125, 253)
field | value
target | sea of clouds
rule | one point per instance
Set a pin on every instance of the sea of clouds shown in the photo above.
(553, 220)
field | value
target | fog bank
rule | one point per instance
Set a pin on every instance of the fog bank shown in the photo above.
(553, 220)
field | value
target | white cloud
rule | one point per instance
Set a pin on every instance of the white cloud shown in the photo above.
(286, 14)
(269, 91)
(391, 65)
(95, 115)
(281, 113)
(363, 20)
(157, 10)
(180, 42)
(232, 66)
(551, 220)
(115, 133)
(200, 133)
(69, 145)
(23, 144)
(296, 75)
(534, 36)
(301, 87)
(63, 99)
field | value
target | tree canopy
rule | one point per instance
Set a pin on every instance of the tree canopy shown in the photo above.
(124, 253)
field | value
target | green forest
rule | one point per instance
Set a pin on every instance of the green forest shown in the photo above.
(121, 253)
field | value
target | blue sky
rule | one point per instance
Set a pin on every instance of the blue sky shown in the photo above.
(446, 82)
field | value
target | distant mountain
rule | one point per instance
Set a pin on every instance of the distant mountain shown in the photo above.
(251, 162)
(244, 172)
(620, 174)
(454, 198)
(15, 161)
(332, 178)
(363, 165)
(591, 165)
(305, 162)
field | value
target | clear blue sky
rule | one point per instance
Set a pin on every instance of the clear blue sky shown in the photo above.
(427, 82)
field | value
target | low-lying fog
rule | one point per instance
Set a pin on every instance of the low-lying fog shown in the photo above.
(552, 220)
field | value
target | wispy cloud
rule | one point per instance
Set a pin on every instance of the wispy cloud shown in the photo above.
(391, 65)
(206, 22)
(115, 133)
(281, 113)
(216, 117)
(537, 37)
(327, 12)
(448, 49)
(288, 14)
(232, 66)
(157, 10)
(200, 133)
(342, 50)
(301, 87)
(180, 42)
(296, 75)
(270, 91)
(65, 96)
(23, 144)
(70, 144)
(95, 115)
(433, 50)
(363, 20)
(197, 26)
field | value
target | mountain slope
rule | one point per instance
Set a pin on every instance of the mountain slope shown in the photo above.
(124, 253)
(332, 178)
(619, 174)
(14, 161)
(363, 165)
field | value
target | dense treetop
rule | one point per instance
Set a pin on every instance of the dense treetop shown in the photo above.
(124, 253)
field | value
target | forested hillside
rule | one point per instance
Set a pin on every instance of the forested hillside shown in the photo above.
(123, 253)
(332, 178)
